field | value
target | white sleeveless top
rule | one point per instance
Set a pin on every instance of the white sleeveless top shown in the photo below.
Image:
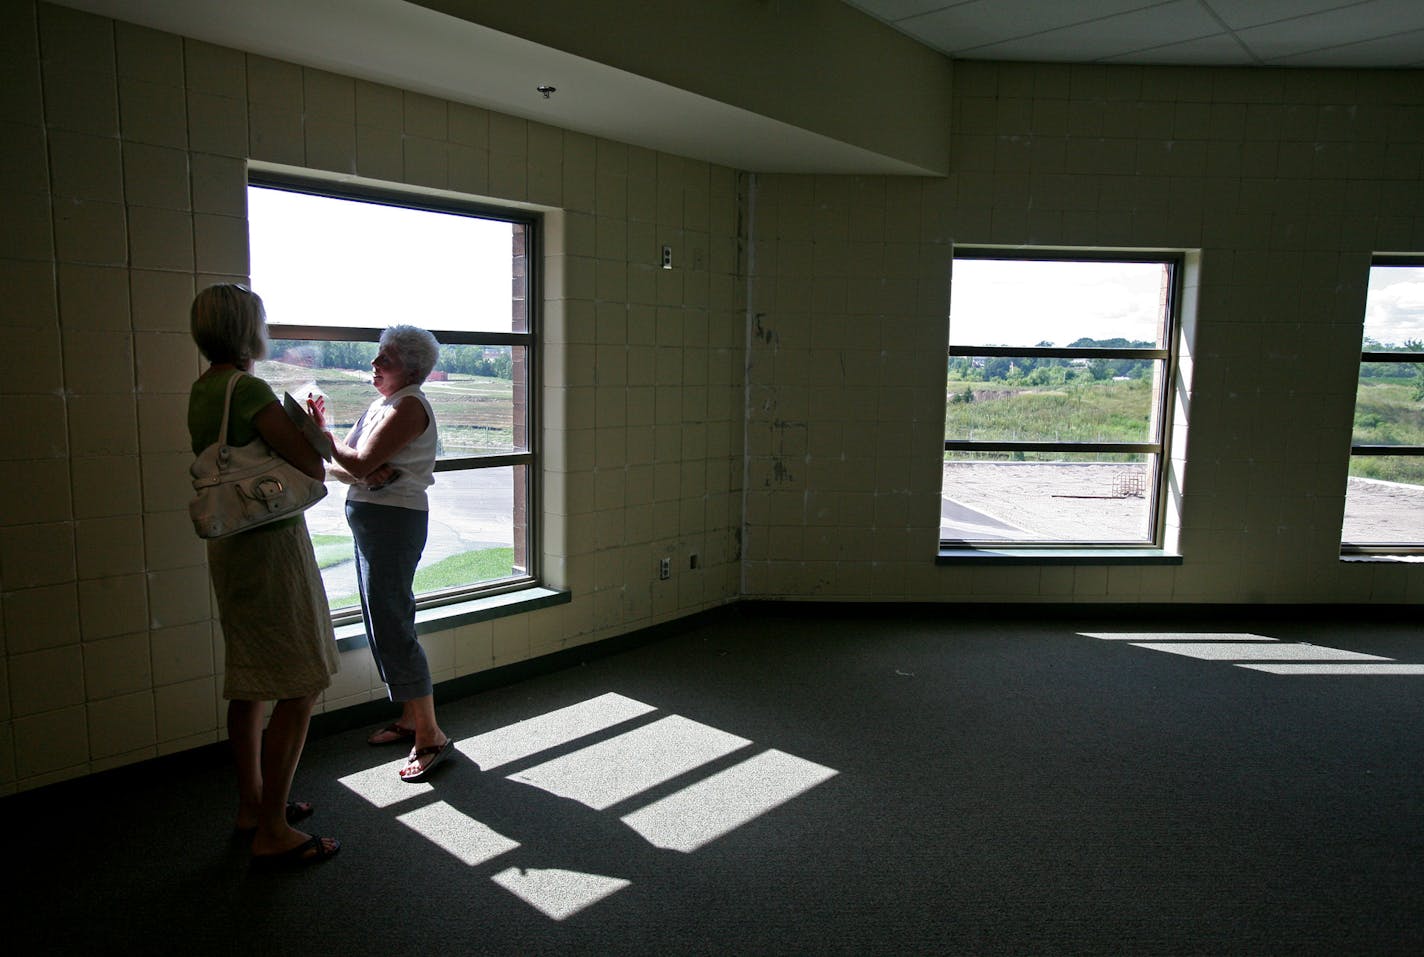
(416, 461)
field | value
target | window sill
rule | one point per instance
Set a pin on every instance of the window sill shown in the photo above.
(486, 608)
(968, 555)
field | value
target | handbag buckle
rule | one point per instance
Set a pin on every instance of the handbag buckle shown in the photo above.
(268, 488)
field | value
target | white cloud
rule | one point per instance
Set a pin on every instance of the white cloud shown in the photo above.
(1018, 302)
(1394, 308)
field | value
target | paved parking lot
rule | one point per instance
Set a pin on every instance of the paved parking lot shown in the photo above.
(1031, 501)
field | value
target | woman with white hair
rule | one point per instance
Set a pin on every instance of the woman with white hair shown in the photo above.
(389, 461)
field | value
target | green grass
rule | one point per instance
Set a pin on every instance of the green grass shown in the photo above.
(1078, 412)
(331, 549)
(466, 568)
(471, 440)
(1386, 413)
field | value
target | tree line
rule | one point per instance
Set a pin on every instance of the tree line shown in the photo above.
(460, 360)
(1405, 373)
(1049, 372)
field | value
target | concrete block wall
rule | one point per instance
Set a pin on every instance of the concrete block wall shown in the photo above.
(1281, 184)
(123, 165)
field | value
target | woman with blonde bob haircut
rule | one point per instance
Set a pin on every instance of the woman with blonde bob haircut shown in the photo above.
(276, 625)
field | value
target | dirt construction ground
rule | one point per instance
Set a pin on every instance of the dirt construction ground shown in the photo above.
(1026, 501)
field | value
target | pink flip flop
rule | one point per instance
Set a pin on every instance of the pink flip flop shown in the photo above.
(438, 752)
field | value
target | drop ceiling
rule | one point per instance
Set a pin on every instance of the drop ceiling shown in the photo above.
(1286, 33)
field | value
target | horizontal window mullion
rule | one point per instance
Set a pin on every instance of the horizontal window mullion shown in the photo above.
(974, 445)
(1387, 450)
(448, 338)
(1392, 356)
(1019, 253)
(1084, 552)
(1043, 352)
(1400, 548)
(324, 333)
(498, 460)
(1401, 259)
(363, 334)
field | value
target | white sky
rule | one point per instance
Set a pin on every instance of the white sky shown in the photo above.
(318, 261)
(1394, 308)
(1023, 303)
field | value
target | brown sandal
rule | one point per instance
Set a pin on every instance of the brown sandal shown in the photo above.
(313, 850)
(397, 735)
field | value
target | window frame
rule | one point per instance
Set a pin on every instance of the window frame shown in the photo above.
(532, 222)
(1383, 451)
(1158, 447)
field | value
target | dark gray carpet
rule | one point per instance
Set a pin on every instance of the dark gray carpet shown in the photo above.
(1002, 786)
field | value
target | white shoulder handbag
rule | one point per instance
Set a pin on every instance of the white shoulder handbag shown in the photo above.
(241, 487)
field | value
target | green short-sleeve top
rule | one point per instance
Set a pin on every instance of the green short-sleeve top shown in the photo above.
(205, 407)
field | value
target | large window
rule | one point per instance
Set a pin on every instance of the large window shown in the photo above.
(1384, 500)
(335, 266)
(1057, 398)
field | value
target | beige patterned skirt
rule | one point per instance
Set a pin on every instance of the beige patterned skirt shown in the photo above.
(275, 620)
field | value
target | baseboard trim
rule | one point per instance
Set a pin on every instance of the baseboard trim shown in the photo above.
(1081, 610)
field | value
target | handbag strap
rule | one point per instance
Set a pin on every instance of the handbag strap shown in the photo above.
(227, 407)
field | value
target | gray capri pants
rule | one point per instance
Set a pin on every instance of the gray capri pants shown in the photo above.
(389, 541)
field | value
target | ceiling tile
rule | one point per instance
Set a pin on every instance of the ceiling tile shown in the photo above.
(1115, 36)
(982, 22)
(1361, 21)
(891, 10)
(1219, 50)
(1400, 50)
(1238, 14)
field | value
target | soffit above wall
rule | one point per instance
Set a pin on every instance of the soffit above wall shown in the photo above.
(418, 49)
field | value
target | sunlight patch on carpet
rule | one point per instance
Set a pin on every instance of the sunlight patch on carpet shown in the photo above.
(382, 785)
(1255, 651)
(677, 784)
(702, 812)
(1323, 668)
(1259, 653)
(1131, 636)
(522, 739)
(607, 772)
(457, 834)
(557, 893)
